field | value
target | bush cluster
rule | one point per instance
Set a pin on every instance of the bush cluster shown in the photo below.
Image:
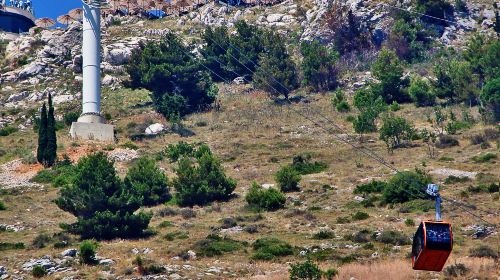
(260, 198)
(396, 132)
(215, 245)
(201, 180)
(271, 248)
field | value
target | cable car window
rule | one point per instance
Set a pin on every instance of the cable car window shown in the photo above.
(418, 241)
(438, 236)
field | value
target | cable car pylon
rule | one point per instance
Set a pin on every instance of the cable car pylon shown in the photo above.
(433, 241)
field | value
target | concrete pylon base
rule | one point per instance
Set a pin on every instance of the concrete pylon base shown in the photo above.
(92, 131)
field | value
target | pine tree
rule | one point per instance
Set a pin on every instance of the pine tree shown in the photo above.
(42, 136)
(51, 150)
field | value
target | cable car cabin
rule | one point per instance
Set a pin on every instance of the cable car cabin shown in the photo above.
(432, 244)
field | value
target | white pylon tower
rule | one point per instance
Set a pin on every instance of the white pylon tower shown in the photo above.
(90, 125)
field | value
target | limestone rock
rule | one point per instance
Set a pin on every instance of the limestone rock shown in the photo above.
(18, 96)
(154, 129)
(274, 17)
(69, 253)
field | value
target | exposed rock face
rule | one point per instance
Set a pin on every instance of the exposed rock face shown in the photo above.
(119, 53)
(123, 155)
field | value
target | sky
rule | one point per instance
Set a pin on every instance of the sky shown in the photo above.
(54, 8)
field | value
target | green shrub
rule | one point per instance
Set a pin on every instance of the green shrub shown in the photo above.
(318, 66)
(343, 107)
(305, 271)
(395, 132)
(11, 246)
(446, 141)
(271, 248)
(434, 8)
(177, 80)
(417, 205)
(165, 224)
(8, 130)
(388, 69)
(87, 252)
(38, 271)
(373, 187)
(44, 176)
(303, 165)
(70, 117)
(288, 179)
(421, 92)
(455, 270)
(393, 238)
(337, 98)
(270, 199)
(324, 234)
(370, 105)
(171, 236)
(491, 97)
(41, 241)
(405, 186)
(343, 220)
(215, 245)
(330, 273)
(362, 236)
(147, 267)
(454, 179)
(394, 107)
(104, 208)
(484, 158)
(483, 251)
(409, 222)
(204, 183)
(358, 216)
(145, 180)
(179, 150)
(2, 206)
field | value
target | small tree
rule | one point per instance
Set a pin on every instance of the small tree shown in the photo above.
(276, 73)
(248, 44)
(370, 106)
(42, 136)
(421, 92)
(103, 207)
(318, 66)
(87, 252)
(395, 132)
(388, 69)
(491, 98)
(51, 150)
(215, 52)
(145, 180)
(435, 8)
(288, 179)
(202, 183)
(305, 271)
(178, 81)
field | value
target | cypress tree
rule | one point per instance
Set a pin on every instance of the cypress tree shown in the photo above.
(51, 150)
(42, 136)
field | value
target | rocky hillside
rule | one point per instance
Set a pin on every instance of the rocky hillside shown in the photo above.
(327, 221)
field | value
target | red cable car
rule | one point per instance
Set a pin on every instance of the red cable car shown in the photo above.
(433, 241)
(432, 244)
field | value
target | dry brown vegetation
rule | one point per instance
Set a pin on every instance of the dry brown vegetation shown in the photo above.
(254, 137)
